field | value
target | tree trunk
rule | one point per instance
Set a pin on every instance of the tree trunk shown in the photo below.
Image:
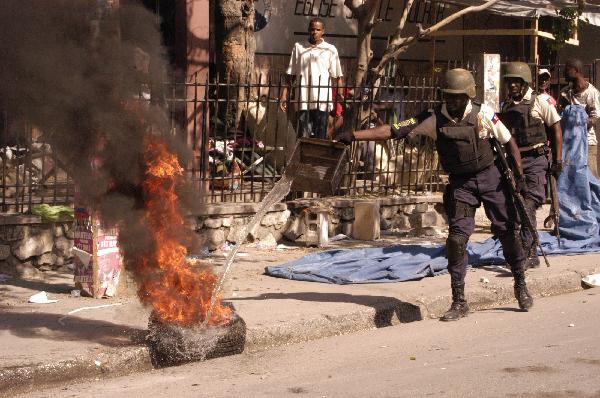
(234, 29)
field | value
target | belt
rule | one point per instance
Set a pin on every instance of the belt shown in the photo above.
(542, 150)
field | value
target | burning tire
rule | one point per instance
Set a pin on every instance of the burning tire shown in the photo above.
(172, 344)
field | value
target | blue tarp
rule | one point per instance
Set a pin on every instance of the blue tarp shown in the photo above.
(579, 196)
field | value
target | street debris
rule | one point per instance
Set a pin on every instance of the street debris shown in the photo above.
(41, 298)
(592, 280)
(571, 325)
(338, 237)
(62, 318)
(484, 280)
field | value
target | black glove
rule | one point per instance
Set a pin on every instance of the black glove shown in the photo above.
(556, 168)
(521, 186)
(345, 137)
(401, 129)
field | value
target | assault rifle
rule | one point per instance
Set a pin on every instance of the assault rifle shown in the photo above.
(553, 217)
(509, 180)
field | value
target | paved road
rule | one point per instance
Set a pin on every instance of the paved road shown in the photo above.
(551, 352)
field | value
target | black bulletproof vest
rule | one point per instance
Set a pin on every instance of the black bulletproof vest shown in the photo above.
(526, 129)
(459, 146)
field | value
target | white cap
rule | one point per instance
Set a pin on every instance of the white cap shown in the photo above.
(544, 71)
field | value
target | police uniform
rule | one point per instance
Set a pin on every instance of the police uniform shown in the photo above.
(466, 155)
(527, 121)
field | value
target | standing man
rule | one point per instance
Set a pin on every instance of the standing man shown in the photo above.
(462, 130)
(529, 117)
(580, 92)
(317, 64)
(544, 82)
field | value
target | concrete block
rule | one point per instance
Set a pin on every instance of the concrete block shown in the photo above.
(227, 221)
(347, 228)
(384, 223)
(423, 220)
(366, 221)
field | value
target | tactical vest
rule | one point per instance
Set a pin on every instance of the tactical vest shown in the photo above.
(526, 129)
(459, 146)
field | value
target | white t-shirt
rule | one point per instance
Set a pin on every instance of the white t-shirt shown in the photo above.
(590, 98)
(313, 67)
(488, 124)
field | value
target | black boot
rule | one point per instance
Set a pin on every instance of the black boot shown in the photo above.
(523, 297)
(459, 307)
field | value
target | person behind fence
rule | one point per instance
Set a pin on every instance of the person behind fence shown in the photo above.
(462, 130)
(581, 92)
(530, 117)
(317, 64)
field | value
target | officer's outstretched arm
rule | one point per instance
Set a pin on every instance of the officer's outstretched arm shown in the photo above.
(384, 132)
(513, 151)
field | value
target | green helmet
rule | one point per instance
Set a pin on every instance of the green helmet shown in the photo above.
(459, 81)
(518, 69)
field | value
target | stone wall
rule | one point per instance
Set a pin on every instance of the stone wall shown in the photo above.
(29, 246)
(220, 224)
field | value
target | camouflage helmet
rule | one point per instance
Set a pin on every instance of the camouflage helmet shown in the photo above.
(459, 81)
(518, 69)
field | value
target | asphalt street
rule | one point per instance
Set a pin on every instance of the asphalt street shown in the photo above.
(552, 351)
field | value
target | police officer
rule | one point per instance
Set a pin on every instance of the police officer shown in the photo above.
(532, 120)
(461, 130)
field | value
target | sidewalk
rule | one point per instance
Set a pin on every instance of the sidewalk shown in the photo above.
(38, 350)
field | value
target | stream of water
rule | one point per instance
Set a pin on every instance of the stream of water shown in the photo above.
(279, 191)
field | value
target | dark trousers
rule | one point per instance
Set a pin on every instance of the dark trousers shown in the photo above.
(312, 124)
(464, 194)
(535, 167)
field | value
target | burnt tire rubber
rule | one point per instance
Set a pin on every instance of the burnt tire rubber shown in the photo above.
(172, 344)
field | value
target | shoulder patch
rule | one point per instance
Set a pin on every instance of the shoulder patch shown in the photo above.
(495, 119)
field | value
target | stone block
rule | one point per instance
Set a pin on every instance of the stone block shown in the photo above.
(421, 208)
(227, 221)
(68, 231)
(36, 241)
(28, 271)
(423, 220)
(58, 230)
(63, 247)
(366, 221)
(406, 209)
(12, 233)
(401, 221)
(214, 238)
(279, 219)
(385, 224)
(213, 223)
(234, 233)
(46, 259)
(294, 229)
(388, 212)
(347, 214)
(4, 252)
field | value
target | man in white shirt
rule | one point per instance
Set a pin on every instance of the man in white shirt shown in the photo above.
(580, 92)
(317, 66)
(462, 130)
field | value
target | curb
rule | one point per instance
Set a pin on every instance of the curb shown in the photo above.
(126, 360)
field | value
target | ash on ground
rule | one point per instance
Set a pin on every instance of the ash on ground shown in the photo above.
(172, 344)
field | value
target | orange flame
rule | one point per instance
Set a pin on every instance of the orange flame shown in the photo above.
(178, 294)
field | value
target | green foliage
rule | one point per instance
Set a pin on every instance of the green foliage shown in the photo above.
(565, 26)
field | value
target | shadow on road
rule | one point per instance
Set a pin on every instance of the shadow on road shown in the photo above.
(386, 308)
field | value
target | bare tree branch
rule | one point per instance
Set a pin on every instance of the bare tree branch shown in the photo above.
(399, 44)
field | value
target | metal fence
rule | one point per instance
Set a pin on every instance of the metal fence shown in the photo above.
(30, 173)
(242, 140)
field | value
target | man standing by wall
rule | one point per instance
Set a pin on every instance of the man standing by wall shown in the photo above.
(580, 92)
(530, 117)
(317, 64)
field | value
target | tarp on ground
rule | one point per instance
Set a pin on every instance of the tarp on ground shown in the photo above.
(535, 8)
(579, 195)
